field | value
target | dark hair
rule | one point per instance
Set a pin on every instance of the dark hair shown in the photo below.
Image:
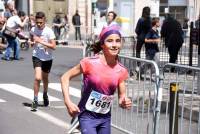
(168, 16)
(146, 12)
(57, 19)
(21, 13)
(154, 21)
(95, 47)
(40, 15)
(114, 14)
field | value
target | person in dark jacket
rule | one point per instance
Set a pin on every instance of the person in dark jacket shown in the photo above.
(185, 26)
(172, 33)
(76, 21)
(142, 28)
(57, 23)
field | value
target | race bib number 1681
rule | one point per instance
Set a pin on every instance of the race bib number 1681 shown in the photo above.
(99, 103)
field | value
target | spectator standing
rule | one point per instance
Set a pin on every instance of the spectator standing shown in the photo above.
(92, 118)
(65, 29)
(31, 22)
(111, 16)
(142, 28)
(43, 39)
(15, 22)
(172, 33)
(105, 21)
(9, 9)
(151, 41)
(57, 23)
(2, 39)
(185, 26)
(76, 21)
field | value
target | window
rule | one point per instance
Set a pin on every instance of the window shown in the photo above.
(163, 1)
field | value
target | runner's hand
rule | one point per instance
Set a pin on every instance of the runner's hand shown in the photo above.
(38, 39)
(125, 103)
(73, 109)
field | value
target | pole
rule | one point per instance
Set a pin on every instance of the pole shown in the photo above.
(173, 115)
(198, 78)
(191, 44)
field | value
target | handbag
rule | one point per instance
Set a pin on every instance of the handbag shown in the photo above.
(9, 32)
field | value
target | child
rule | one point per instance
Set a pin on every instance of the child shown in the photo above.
(151, 41)
(96, 118)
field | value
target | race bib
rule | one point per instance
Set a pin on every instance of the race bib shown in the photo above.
(99, 103)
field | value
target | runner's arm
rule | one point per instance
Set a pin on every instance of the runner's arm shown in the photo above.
(65, 78)
(51, 44)
(124, 102)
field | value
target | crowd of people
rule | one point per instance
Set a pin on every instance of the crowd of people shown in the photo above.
(12, 23)
(18, 25)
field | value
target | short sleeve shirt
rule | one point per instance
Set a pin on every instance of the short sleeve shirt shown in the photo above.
(13, 22)
(100, 77)
(152, 35)
(39, 50)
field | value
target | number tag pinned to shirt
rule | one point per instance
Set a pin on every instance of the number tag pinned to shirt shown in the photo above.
(99, 103)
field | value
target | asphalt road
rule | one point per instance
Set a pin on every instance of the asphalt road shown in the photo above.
(16, 93)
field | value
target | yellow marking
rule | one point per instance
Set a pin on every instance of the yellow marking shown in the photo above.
(122, 20)
(174, 87)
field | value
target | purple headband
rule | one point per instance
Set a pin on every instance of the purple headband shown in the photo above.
(106, 34)
(106, 31)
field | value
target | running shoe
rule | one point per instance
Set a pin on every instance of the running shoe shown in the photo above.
(34, 105)
(46, 100)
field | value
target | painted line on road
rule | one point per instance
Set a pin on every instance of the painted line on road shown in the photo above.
(51, 118)
(24, 92)
(1, 100)
(72, 91)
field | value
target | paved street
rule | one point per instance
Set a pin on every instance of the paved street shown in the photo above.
(16, 94)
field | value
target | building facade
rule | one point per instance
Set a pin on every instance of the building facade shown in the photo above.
(128, 11)
(180, 9)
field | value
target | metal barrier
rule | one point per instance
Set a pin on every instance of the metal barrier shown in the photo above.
(178, 93)
(129, 45)
(181, 103)
(146, 97)
(143, 89)
(184, 54)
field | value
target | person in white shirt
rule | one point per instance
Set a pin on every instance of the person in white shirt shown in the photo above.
(15, 22)
(43, 42)
(111, 16)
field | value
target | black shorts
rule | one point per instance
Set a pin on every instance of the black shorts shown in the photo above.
(45, 65)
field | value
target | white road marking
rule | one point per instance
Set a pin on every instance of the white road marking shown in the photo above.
(28, 93)
(1, 100)
(50, 118)
(72, 91)
(24, 92)
(58, 107)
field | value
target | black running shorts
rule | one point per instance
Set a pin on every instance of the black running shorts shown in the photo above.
(45, 65)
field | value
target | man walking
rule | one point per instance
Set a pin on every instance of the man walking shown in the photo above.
(43, 39)
(76, 21)
(172, 33)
